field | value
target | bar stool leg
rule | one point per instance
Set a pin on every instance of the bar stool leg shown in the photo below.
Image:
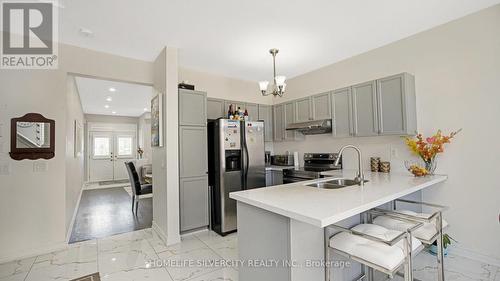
(440, 253)
(327, 256)
(368, 270)
(408, 263)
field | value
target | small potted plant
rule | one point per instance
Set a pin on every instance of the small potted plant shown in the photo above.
(140, 151)
(447, 241)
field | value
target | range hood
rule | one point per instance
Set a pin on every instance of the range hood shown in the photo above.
(312, 127)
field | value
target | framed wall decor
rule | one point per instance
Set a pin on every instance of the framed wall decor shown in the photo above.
(78, 138)
(32, 137)
(157, 120)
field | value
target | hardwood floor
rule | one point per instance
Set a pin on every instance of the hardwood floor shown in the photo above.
(108, 211)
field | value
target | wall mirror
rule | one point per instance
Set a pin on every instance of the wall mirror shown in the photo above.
(32, 137)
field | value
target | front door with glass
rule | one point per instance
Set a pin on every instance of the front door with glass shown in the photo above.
(108, 153)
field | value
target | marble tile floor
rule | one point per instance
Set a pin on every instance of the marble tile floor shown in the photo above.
(129, 256)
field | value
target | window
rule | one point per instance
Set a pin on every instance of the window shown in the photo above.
(125, 146)
(101, 147)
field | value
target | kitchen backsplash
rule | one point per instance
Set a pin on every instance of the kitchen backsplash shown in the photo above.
(388, 148)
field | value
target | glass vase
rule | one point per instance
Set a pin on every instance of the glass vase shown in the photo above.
(430, 165)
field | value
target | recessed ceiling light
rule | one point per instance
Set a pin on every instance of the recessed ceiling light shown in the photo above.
(112, 89)
(106, 106)
(146, 109)
(109, 98)
(114, 112)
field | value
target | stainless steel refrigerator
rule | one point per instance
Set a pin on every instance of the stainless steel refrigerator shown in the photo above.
(236, 161)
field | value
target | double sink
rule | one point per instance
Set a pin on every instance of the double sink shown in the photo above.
(335, 183)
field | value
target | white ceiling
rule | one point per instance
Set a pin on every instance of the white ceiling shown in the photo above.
(232, 37)
(128, 99)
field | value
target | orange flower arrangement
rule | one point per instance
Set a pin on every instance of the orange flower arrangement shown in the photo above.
(427, 149)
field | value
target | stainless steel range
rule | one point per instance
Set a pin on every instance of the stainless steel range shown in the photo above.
(314, 164)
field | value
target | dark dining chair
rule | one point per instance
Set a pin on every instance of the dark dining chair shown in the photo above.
(138, 189)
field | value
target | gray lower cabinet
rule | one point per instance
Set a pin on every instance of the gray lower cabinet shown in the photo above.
(341, 113)
(364, 99)
(215, 108)
(266, 115)
(269, 178)
(274, 177)
(193, 195)
(278, 122)
(192, 151)
(303, 110)
(277, 177)
(396, 105)
(321, 106)
(192, 108)
(253, 111)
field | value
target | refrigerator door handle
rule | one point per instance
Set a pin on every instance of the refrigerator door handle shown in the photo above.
(247, 163)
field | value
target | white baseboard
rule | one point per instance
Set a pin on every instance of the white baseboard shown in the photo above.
(18, 255)
(75, 212)
(164, 237)
(160, 232)
(470, 254)
(92, 187)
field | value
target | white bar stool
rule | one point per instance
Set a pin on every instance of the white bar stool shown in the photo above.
(375, 247)
(430, 231)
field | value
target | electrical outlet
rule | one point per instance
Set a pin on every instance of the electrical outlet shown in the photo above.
(394, 153)
(40, 166)
(4, 169)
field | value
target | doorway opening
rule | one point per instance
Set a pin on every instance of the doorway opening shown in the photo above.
(118, 190)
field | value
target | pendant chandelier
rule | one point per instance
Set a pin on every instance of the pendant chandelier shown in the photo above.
(278, 87)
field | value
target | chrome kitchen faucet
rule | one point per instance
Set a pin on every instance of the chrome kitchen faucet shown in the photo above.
(360, 178)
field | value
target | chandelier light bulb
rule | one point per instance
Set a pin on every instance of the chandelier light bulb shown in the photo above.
(263, 85)
(280, 80)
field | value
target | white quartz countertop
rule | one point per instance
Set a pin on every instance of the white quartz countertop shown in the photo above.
(322, 207)
(278, 168)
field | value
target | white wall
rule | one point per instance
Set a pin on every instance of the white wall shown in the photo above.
(74, 165)
(166, 158)
(456, 67)
(223, 87)
(33, 215)
(111, 119)
(32, 205)
(145, 135)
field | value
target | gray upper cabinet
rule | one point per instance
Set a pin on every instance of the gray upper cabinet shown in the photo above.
(266, 115)
(193, 202)
(192, 108)
(192, 151)
(341, 113)
(396, 105)
(278, 122)
(289, 109)
(364, 99)
(253, 111)
(215, 108)
(303, 110)
(321, 106)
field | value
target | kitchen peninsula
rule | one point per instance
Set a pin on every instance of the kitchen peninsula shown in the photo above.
(286, 223)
